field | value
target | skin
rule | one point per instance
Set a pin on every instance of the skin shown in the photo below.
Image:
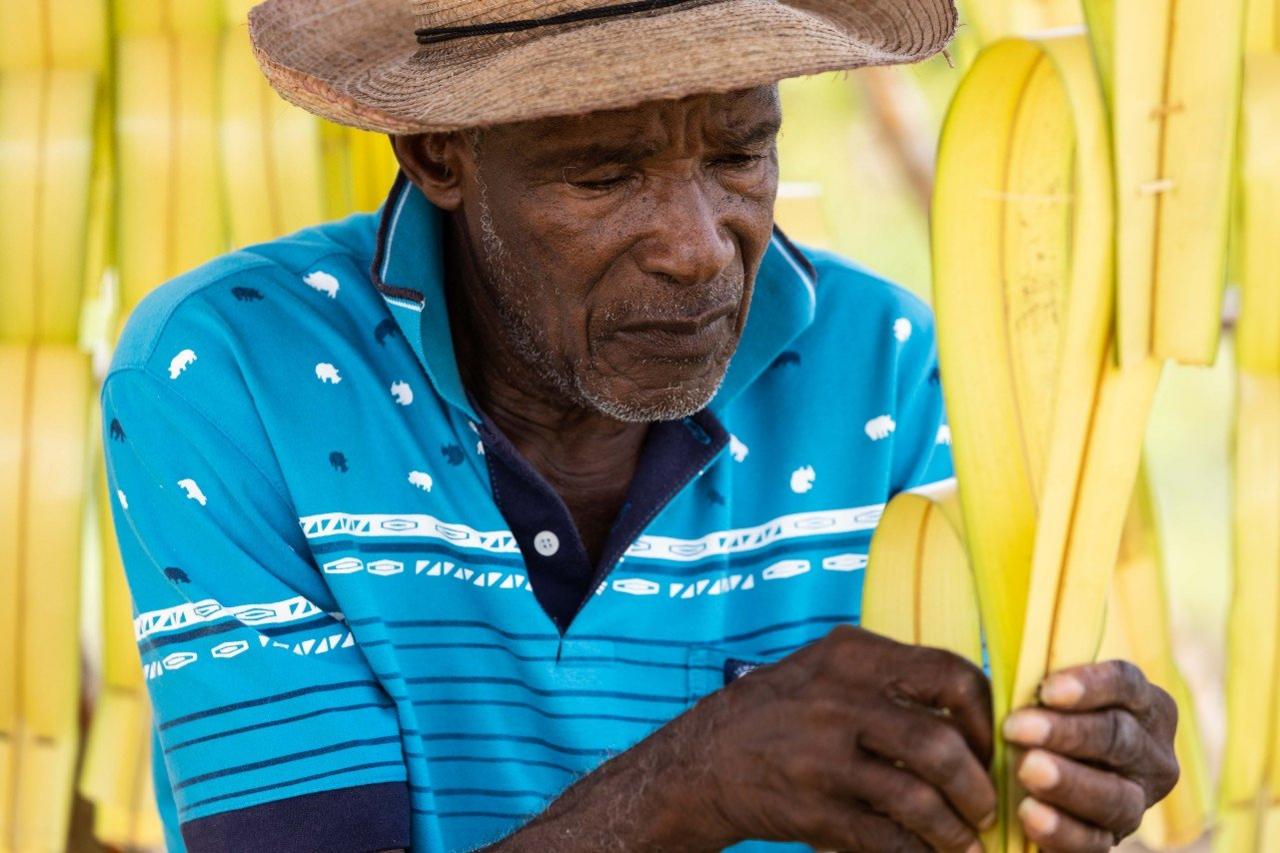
(600, 273)
(600, 270)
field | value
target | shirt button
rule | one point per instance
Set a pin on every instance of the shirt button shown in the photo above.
(546, 543)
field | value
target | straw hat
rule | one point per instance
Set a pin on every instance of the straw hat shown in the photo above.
(412, 66)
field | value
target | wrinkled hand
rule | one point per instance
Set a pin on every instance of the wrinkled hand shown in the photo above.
(855, 743)
(1100, 753)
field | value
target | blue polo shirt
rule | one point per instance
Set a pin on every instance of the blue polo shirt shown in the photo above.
(367, 623)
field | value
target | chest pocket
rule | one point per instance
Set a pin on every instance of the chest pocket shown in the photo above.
(712, 668)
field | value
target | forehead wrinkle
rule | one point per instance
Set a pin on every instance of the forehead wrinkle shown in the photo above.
(553, 151)
(626, 135)
(750, 118)
(595, 152)
(631, 135)
(748, 135)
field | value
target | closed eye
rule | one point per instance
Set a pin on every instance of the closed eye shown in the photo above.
(597, 179)
(737, 161)
(601, 184)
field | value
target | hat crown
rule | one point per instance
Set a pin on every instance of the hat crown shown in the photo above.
(480, 63)
(462, 13)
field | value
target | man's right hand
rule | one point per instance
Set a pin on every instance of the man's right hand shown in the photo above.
(856, 743)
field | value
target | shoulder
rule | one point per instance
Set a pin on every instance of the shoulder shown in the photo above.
(847, 291)
(281, 287)
(863, 318)
(213, 359)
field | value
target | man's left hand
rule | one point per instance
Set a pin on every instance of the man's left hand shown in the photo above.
(1099, 753)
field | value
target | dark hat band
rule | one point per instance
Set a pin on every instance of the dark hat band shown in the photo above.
(435, 35)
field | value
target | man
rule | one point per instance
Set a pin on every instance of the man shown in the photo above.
(469, 526)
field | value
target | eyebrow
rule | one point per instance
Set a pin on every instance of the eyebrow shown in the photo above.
(594, 153)
(751, 136)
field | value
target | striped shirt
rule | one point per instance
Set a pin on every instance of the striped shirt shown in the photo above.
(366, 622)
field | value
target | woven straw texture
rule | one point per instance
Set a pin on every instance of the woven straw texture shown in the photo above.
(358, 62)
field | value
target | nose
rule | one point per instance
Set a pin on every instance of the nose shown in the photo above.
(687, 241)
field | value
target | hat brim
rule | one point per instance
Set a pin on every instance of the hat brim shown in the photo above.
(357, 62)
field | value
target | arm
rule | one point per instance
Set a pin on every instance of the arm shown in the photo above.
(275, 733)
(636, 801)
(841, 745)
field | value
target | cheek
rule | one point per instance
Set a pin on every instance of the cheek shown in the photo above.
(573, 245)
(574, 320)
(757, 213)
(748, 205)
(555, 317)
(577, 256)
(556, 258)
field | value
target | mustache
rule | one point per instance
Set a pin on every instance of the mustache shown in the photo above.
(673, 302)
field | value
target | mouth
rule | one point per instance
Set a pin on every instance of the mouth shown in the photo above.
(683, 326)
(686, 340)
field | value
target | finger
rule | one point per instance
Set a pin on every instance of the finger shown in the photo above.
(939, 679)
(1055, 832)
(860, 831)
(916, 675)
(1093, 796)
(1113, 737)
(913, 804)
(1111, 684)
(936, 752)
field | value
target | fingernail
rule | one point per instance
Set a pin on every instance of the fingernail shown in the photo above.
(1027, 728)
(1038, 771)
(1061, 690)
(1037, 817)
(975, 847)
(987, 822)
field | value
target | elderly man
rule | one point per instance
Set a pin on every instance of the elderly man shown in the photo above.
(531, 511)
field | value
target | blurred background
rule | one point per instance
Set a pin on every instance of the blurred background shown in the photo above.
(137, 140)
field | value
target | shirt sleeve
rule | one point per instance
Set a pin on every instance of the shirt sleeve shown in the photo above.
(275, 734)
(922, 438)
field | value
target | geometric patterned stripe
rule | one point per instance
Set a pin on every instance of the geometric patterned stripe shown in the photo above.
(794, 526)
(667, 548)
(787, 527)
(415, 526)
(461, 536)
(209, 610)
(343, 639)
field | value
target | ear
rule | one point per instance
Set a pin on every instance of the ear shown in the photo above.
(434, 162)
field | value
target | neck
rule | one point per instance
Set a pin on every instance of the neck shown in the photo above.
(585, 455)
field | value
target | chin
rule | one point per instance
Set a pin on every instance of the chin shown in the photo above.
(636, 404)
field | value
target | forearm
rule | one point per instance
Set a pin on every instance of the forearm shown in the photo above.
(651, 797)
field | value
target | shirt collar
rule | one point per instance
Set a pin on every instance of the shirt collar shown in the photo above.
(408, 270)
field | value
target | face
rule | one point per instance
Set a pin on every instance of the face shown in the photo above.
(617, 251)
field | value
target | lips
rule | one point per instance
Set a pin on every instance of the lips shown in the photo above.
(684, 326)
(677, 340)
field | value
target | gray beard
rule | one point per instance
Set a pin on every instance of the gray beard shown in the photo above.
(530, 344)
